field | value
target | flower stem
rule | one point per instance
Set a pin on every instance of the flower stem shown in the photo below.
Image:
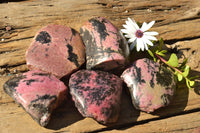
(164, 61)
(189, 83)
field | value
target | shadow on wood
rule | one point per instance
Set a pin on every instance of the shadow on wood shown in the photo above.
(177, 105)
(64, 116)
(6, 1)
(197, 81)
(128, 114)
(197, 88)
(67, 114)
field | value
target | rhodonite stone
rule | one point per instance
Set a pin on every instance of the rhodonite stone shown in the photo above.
(38, 93)
(96, 94)
(56, 49)
(105, 49)
(151, 86)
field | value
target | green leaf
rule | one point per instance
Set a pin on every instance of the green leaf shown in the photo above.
(183, 64)
(173, 60)
(187, 83)
(191, 83)
(180, 77)
(186, 71)
(161, 43)
(152, 55)
(192, 78)
(149, 51)
(161, 53)
(176, 73)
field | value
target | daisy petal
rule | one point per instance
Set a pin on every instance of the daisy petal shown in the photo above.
(148, 26)
(152, 33)
(130, 29)
(150, 37)
(124, 31)
(131, 39)
(148, 42)
(128, 23)
(131, 20)
(133, 23)
(133, 45)
(139, 44)
(125, 26)
(127, 36)
(145, 46)
(144, 25)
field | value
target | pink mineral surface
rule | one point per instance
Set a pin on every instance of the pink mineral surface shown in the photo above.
(56, 49)
(38, 93)
(151, 86)
(105, 49)
(97, 94)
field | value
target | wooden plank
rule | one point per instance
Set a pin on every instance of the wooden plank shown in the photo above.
(187, 123)
(28, 17)
(67, 118)
(175, 21)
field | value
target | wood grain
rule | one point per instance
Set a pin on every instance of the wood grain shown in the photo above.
(176, 21)
(184, 123)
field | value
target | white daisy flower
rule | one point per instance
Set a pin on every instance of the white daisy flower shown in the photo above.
(138, 35)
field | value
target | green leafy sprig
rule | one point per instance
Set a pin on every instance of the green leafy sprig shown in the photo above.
(181, 71)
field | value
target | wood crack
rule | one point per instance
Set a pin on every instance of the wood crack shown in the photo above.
(1, 103)
(6, 1)
(182, 129)
(128, 125)
(188, 19)
(172, 41)
(29, 37)
(3, 52)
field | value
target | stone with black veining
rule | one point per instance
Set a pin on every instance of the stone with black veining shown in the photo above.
(56, 49)
(38, 93)
(151, 86)
(96, 94)
(105, 49)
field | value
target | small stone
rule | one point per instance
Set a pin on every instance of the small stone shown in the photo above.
(151, 86)
(8, 28)
(105, 49)
(38, 93)
(56, 49)
(97, 94)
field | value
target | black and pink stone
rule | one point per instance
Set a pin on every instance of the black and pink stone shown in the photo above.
(56, 49)
(96, 94)
(38, 93)
(151, 86)
(105, 49)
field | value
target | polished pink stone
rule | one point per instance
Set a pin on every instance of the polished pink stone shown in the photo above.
(38, 93)
(151, 86)
(56, 49)
(97, 94)
(105, 49)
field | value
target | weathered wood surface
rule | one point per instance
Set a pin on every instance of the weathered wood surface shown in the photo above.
(188, 123)
(177, 21)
